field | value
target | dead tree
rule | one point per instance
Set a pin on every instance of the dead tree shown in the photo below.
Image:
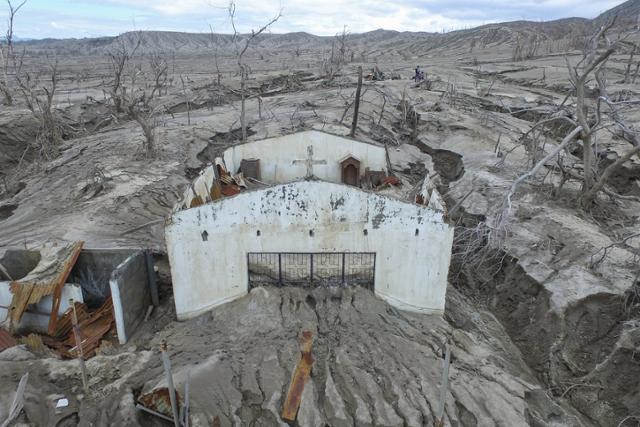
(526, 47)
(185, 93)
(140, 107)
(119, 58)
(159, 69)
(39, 100)
(586, 119)
(593, 64)
(627, 72)
(337, 58)
(7, 55)
(241, 47)
(136, 97)
(216, 61)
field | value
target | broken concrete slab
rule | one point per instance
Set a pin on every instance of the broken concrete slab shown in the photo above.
(129, 284)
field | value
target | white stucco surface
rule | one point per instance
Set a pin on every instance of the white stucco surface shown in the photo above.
(277, 154)
(412, 242)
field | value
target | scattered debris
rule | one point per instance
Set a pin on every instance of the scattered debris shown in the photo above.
(34, 343)
(5, 272)
(388, 181)
(158, 403)
(375, 75)
(299, 378)
(62, 403)
(18, 401)
(6, 340)
(164, 402)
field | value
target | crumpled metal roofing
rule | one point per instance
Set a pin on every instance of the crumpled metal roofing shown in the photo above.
(6, 340)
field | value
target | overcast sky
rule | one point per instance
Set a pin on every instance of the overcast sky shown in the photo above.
(90, 18)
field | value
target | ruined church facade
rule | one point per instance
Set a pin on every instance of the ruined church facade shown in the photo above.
(306, 209)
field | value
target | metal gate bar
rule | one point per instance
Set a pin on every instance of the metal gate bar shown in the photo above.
(311, 268)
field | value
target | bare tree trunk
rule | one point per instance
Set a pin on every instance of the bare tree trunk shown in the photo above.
(186, 98)
(589, 196)
(585, 136)
(5, 86)
(629, 63)
(505, 209)
(240, 51)
(147, 130)
(243, 122)
(356, 107)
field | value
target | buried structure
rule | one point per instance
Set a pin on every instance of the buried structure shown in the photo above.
(111, 289)
(308, 209)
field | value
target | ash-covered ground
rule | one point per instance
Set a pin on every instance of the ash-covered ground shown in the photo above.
(373, 365)
(545, 331)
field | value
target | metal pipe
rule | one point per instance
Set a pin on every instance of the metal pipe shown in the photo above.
(172, 391)
(152, 412)
(78, 337)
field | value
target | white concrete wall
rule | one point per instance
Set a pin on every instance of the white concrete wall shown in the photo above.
(36, 317)
(411, 270)
(276, 156)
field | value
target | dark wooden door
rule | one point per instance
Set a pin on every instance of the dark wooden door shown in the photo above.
(351, 175)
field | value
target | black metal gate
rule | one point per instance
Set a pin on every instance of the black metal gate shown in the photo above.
(311, 268)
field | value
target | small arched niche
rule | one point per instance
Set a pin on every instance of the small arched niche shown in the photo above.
(350, 167)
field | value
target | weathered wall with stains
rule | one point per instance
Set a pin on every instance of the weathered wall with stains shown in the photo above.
(411, 242)
(276, 156)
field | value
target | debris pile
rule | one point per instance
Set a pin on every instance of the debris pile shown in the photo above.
(111, 292)
(215, 182)
(94, 327)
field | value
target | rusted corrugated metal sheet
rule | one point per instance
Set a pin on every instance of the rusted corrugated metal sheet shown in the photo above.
(47, 278)
(299, 379)
(93, 328)
(159, 400)
(6, 340)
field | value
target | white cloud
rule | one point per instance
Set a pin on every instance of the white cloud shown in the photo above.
(324, 17)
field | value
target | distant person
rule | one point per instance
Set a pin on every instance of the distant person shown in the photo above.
(419, 74)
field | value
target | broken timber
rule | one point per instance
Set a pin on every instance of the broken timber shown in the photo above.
(300, 377)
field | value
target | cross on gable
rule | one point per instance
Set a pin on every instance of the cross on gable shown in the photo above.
(309, 162)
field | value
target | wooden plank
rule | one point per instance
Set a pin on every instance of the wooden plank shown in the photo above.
(59, 283)
(299, 379)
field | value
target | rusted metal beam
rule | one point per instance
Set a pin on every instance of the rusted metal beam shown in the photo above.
(172, 391)
(299, 379)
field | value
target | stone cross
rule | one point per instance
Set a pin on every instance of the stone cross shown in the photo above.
(310, 162)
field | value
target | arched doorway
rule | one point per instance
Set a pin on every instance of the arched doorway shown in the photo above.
(351, 175)
(351, 171)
